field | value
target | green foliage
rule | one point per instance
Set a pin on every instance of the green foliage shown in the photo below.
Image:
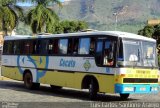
(23, 29)
(9, 15)
(6, 2)
(158, 60)
(148, 31)
(156, 36)
(58, 29)
(41, 18)
(151, 31)
(68, 27)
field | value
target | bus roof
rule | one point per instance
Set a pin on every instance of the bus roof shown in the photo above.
(111, 33)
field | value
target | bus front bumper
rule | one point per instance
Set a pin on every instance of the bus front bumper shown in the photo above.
(136, 88)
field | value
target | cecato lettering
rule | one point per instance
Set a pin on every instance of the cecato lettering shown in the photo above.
(67, 63)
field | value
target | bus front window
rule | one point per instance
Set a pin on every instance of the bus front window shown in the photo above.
(132, 51)
(149, 54)
(137, 53)
(129, 53)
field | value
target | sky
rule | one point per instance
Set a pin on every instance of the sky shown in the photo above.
(30, 4)
(24, 4)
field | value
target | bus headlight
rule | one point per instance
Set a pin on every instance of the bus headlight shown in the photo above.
(128, 88)
(154, 88)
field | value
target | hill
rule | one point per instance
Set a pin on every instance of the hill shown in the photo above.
(131, 14)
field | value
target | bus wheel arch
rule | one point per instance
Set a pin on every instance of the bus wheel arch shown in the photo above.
(28, 80)
(90, 82)
(87, 79)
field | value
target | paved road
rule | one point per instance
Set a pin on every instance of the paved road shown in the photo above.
(14, 91)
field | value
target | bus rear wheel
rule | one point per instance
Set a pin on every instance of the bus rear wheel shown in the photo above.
(28, 81)
(124, 96)
(93, 90)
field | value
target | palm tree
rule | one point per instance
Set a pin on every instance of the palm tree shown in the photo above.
(9, 15)
(41, 18)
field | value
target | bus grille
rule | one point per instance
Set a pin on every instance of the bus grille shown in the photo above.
(139, 80)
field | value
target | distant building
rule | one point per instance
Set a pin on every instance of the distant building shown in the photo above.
(153, 22)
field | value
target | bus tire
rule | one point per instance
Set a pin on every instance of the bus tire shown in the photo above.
(28, 82)
(93, 89)
(55, 87)
(124, 96)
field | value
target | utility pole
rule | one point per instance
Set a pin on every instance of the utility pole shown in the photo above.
(116, 20)
(116, 14)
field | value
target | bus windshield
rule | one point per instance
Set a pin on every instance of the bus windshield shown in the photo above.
(138, 53)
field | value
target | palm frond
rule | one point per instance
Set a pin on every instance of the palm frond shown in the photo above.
(10, 18)
(28, 18)
(40, 17)
(19, 11)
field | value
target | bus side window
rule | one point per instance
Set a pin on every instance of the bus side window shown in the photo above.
(75, 45)
(31, 47)
(92, 46)
(16, 47)
(5, 48)
(8, 47)
(38, 47)
(50, 46)
(43, 46)
(34, 47)
(26, 47)
(70, 46)
(84, 45)
(55, 46)
(21, 44)
(63, 45)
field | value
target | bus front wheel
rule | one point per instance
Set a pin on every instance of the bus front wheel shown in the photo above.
(92, 90)
(28, 81)
(124, 96)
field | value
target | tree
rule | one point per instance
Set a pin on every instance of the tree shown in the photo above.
(41, 18)
(69, 27)
(9, 15)
(148, 31)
